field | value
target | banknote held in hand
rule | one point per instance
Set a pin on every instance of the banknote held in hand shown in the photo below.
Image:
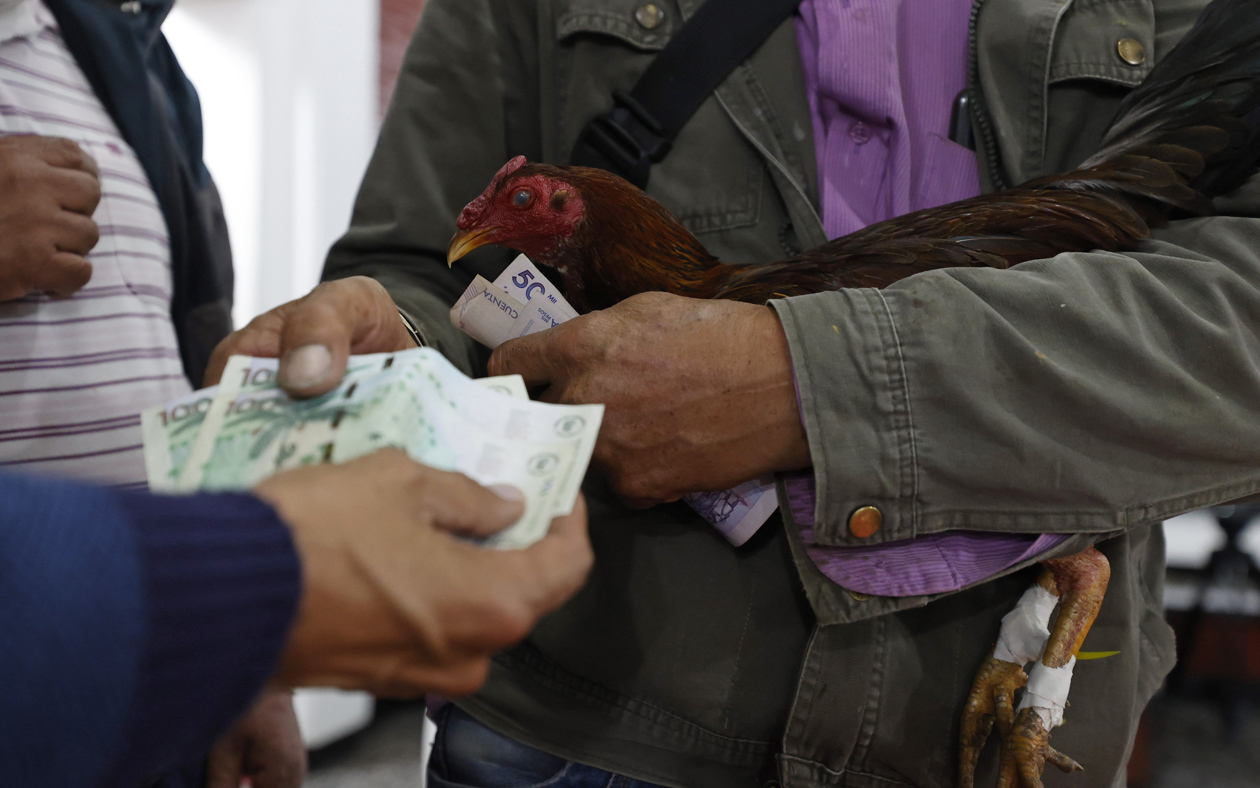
(522, 301)
(234, 435)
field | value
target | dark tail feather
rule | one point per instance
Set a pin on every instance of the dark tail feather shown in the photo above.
(1191, 130)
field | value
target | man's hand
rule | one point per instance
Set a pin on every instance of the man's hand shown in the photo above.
(48, 190)
(393, 605)
(314, 335)
(264, 746)
(699, 394)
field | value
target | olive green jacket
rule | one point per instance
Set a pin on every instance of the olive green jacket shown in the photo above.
(1091, 394)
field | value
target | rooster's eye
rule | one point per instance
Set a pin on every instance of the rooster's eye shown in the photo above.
(522, 198)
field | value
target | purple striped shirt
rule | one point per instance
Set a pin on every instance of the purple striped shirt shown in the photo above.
(75, 373)
(881, 77)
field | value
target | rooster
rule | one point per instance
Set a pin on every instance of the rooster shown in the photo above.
(1189, 132)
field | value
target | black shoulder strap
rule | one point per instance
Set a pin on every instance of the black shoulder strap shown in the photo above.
(642, 125)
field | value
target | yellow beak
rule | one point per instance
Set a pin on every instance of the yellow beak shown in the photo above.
(465, 241)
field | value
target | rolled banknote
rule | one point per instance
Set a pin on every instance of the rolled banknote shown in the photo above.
(414, 400)
(488, 315)
(521, 301)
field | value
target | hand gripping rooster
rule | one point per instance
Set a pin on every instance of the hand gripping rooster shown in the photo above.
(1190, 132)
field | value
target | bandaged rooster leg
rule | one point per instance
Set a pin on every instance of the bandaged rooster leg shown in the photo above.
(1081, 580)
(992, 700)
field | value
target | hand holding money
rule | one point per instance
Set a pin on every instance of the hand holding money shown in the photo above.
(395, 606)
(521, 302)
(699, 394)
(313, 336)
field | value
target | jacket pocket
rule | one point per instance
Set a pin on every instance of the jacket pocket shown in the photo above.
(1089, 75)
(712, 179)
(1109, 40)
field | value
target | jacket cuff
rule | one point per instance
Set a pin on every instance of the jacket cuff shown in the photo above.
(222, 581)
(855, 406)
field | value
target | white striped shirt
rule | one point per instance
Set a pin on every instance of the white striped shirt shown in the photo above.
(75, 373)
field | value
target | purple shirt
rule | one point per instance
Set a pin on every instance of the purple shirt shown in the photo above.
(881, 77)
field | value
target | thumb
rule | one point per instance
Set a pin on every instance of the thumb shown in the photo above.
(531, 356)
(545, 574)
(324, 328)
(462, 506)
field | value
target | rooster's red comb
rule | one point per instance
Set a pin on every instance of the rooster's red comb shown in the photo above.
(469, 217)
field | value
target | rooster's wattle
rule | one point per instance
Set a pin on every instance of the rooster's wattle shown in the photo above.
(1189, 132)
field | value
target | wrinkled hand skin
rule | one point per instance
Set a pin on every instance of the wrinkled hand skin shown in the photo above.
(265, 747)
(992, 699)
(699, 394)
(354, 315)
(1027, 750)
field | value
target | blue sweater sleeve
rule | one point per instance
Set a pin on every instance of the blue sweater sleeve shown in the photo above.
(133, 628)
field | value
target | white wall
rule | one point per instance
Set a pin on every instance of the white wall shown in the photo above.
(289, 92)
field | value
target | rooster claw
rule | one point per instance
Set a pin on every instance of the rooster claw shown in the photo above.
(992, 700)
(1026, 752)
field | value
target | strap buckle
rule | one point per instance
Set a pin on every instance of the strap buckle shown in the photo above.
(626, 140)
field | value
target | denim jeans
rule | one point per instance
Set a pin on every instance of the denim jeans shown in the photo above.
(467, 754)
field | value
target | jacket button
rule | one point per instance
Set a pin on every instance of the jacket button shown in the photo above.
(1131, 51)
(649, 16)
(865, 521)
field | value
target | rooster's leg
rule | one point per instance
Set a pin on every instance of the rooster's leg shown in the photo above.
(1081, 581)
(992, 698)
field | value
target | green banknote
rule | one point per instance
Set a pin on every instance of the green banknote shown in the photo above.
(414, 400)
(170, 431)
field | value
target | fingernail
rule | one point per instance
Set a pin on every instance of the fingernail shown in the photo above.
(304, 366)
(506, 491)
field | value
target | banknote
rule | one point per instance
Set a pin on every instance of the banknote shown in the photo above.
(486, 313)
(494, 312)
(511, 385)
(169, 432)
(526, 284)
(521, 301)
(738, 512)
(414, 400)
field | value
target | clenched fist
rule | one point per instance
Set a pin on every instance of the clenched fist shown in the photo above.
(49, 188)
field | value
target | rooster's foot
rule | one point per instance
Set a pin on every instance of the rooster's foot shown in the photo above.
(992, 699)
(1027, 750)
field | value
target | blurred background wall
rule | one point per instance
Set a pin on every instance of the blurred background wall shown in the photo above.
(292, 93)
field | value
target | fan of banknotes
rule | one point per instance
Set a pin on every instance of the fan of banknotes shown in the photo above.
(230, 436)
(522, 301)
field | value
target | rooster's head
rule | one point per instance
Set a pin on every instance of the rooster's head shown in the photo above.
(606, 237)
(528, 207)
